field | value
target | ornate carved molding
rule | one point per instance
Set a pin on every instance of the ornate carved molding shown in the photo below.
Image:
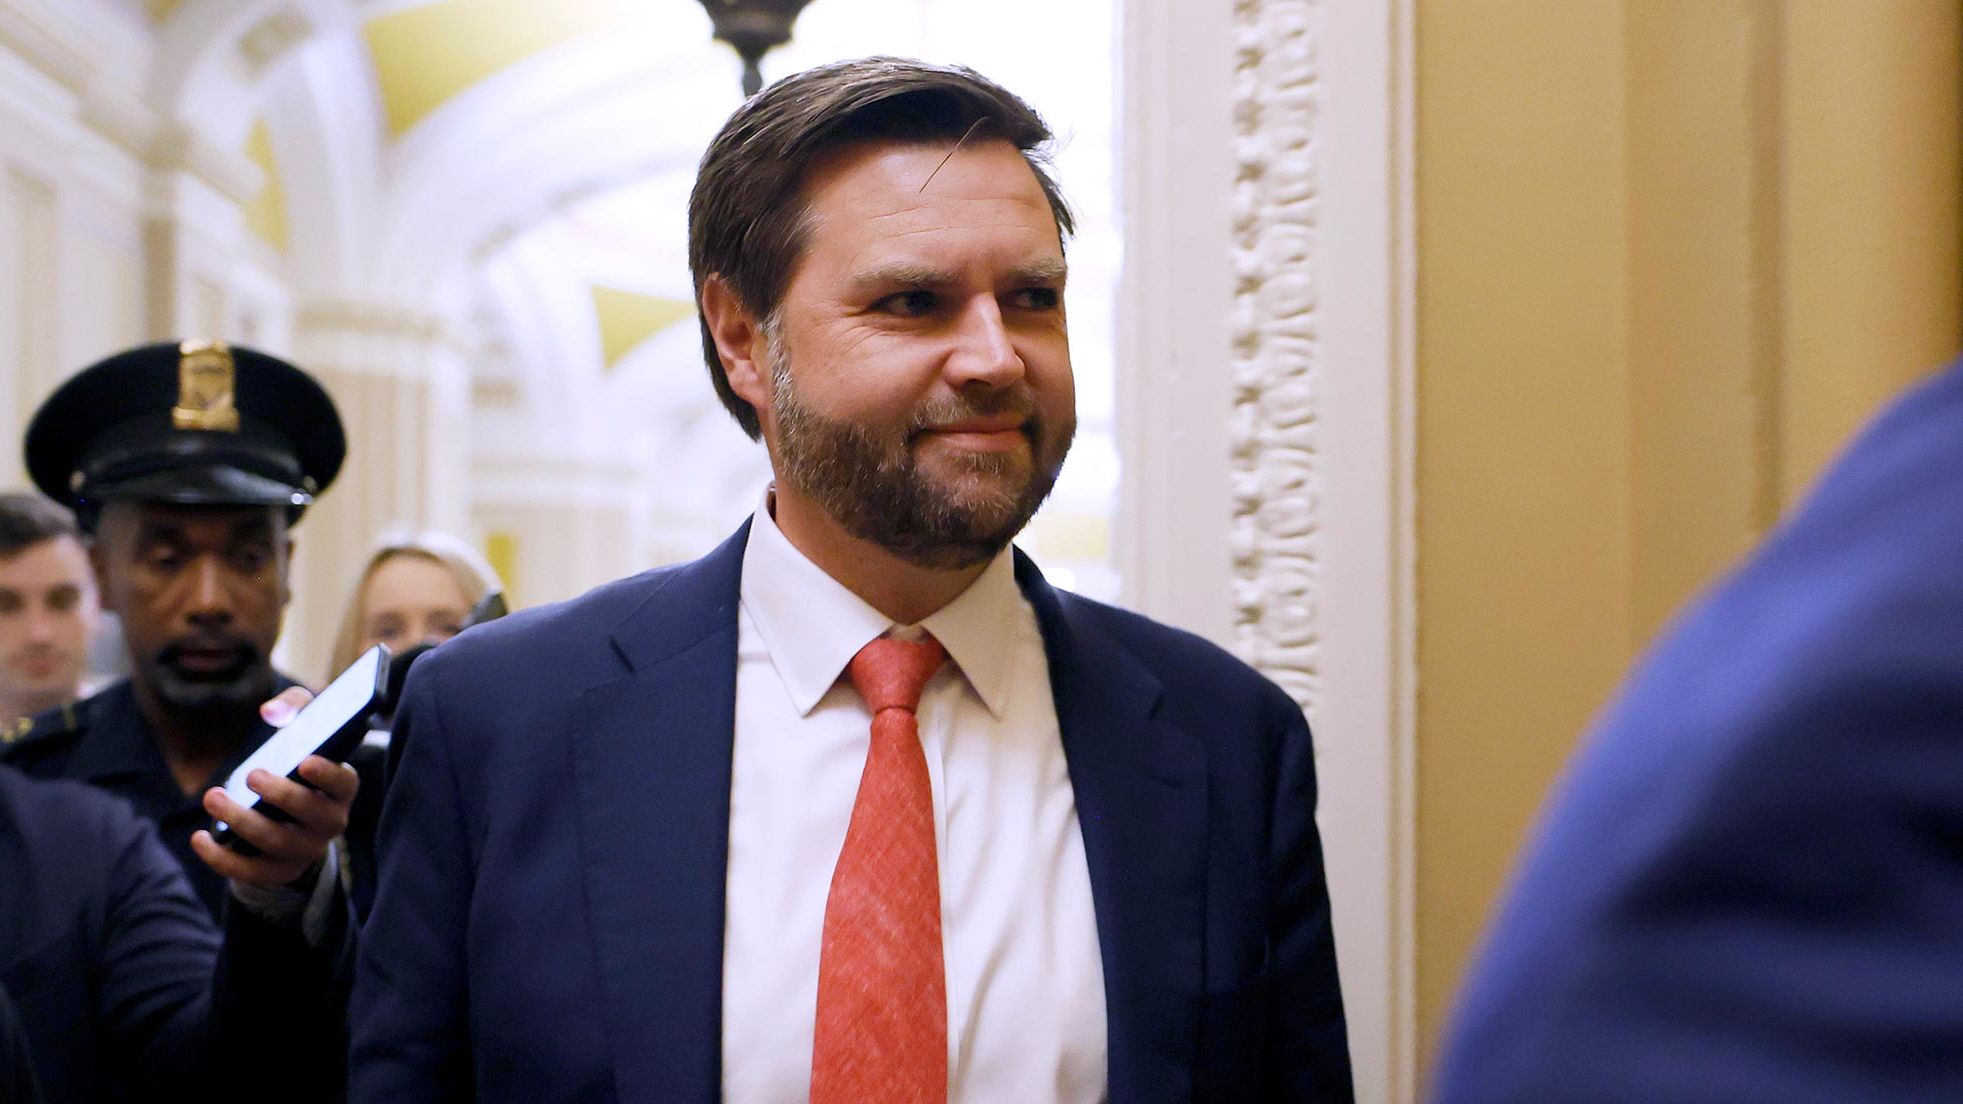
(1277, 356)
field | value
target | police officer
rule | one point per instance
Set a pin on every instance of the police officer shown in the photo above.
(187, 463)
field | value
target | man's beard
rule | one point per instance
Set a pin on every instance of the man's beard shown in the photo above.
(872, 486)
(244, 683)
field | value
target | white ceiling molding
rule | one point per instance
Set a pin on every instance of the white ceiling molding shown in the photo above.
(54, 46)
(211, 53)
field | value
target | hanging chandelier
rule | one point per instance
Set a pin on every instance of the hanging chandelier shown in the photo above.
(754, 28)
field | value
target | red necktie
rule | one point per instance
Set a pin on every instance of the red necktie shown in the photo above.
(882, 989)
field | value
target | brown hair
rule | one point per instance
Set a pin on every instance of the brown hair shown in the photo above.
(27, 519)
(747, 221)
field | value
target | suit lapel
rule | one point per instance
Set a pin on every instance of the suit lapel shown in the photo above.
(1140, 788)
(651, 774)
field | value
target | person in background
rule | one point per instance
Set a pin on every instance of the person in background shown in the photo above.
(48, 610)
(1749, 887)
(416, 588)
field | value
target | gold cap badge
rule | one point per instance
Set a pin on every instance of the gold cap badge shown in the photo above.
(205, 372)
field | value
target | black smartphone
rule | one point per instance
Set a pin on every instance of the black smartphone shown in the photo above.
(330, 726)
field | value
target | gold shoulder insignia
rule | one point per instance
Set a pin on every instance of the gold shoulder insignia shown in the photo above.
(205, 386)
(15, 730)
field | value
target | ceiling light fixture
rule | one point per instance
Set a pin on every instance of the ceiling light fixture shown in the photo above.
(753, 27)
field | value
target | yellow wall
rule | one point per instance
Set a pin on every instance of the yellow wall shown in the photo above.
(628, 318)
(1670, 253)
(1871, 212)
(427, 54)
(1523, 467)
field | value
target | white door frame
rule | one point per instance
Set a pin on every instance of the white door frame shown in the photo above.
(1266, 417)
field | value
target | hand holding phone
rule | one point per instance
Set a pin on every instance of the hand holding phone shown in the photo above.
(301, 788)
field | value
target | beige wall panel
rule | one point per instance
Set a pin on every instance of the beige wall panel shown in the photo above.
(1524, 453)
(1871, 217)
(379, 488)
(207, 308)
(108, 309)
(1703, 324)
(1670, 255)
(560, 550)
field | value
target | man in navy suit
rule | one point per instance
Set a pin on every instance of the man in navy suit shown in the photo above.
(1750, 887)
(857, 807)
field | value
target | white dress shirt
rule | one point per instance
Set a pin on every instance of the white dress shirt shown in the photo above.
(1025, 986)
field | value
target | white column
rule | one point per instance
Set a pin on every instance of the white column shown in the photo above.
(567, 523)
(399, 380)
(1267, 168)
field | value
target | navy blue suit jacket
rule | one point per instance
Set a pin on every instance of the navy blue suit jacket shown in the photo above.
(1750, 887)
(17, 1084)
(122, 984)
(549, 922)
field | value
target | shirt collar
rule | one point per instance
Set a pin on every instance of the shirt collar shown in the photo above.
(812, 625)
(975, 629)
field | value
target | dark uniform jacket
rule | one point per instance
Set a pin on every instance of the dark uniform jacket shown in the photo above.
(119, 978)
(105, 742)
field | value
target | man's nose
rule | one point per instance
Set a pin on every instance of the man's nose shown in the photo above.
(210, 599)
(41, 622)
(985, 352)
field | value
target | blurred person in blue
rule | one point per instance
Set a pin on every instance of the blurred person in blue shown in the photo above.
(1749, 887)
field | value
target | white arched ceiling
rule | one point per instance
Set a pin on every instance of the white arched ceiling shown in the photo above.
(320, 108)
(211, 55)
(525, 145)
(507, 196)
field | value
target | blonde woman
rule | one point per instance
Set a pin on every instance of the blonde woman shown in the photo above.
(415, 588)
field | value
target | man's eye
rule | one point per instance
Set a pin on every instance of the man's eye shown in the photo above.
(250, 560)
(164, 560)
(908, 304)
(1037, 298)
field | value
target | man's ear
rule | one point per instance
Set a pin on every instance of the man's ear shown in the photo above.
(739, 341)
(286, 576)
